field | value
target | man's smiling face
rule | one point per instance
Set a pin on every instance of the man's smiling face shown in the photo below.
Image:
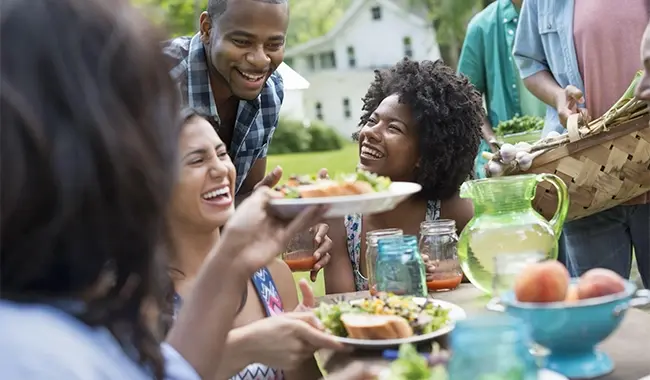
(245, 44)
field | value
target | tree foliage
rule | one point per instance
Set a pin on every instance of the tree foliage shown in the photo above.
(309, 18)
(313, 18)
(450, 18)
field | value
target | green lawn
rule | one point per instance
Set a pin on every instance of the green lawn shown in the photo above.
(340, 161)
(344, 160)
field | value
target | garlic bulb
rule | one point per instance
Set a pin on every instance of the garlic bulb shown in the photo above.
(524, 160)
(507, 153)
(495, 168)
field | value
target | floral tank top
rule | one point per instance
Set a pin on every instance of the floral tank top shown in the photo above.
(353, 232)
(268, 294)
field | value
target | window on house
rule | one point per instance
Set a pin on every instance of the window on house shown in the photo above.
(319, 111)
(408, 47)
(328, 60)
(311, 62)
(352, 61)
(288, 61)
(346, 108)
(376, 13)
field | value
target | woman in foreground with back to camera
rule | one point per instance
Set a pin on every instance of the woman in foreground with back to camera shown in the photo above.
(88, 156)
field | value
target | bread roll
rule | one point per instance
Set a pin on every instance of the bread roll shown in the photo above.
(365, 326)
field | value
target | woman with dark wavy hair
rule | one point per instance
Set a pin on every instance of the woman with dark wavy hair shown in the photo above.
(421, 123)
(88, 141)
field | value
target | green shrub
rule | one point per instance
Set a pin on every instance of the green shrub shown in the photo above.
(292, 137)
(324, 138)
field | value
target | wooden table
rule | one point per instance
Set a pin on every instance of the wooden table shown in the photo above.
(628, 346)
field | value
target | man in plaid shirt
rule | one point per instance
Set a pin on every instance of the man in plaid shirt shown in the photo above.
(227, 71)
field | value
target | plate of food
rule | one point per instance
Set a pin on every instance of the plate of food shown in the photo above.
(361, 192)
(388, 320)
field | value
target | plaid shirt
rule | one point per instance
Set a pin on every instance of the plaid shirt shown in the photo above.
(256, 119)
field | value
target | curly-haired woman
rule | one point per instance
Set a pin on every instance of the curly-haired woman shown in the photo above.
(421, 123)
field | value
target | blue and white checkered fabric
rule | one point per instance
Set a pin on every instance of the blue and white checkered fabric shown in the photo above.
(256, 119)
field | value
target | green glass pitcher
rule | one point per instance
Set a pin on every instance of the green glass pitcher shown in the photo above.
(505, 222)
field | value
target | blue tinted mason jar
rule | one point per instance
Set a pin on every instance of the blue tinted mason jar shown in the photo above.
(491, 347)
(400, 269)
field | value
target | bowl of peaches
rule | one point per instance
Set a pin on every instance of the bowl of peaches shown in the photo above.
(570, 316)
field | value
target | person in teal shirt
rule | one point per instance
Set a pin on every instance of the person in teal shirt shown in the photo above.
(486, 59)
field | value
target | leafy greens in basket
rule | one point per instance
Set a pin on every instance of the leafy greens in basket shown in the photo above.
(423, 318)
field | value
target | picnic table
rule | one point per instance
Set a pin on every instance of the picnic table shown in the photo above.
(628, 346)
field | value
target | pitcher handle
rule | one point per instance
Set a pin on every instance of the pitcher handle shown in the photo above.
(562, 201)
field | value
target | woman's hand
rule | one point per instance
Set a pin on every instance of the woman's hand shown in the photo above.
(255, 237)
(286, 341)
(308, 299)
(428, 264)
(322, 252)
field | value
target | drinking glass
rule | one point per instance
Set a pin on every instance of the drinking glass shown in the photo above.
(400, 269)
(495, 347)
(372, 251)
(299, 255)
(438, 241)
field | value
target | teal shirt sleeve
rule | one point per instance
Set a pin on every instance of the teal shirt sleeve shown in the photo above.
(528, 50)
(472, 60)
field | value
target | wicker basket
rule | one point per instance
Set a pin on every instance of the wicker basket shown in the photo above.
(601, 171)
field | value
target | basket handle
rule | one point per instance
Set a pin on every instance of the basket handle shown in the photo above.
(562, 201)
(572, 125)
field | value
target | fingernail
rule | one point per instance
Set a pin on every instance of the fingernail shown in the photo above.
(317, 239)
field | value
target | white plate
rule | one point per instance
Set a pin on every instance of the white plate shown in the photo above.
(371, 203)
(456, 313)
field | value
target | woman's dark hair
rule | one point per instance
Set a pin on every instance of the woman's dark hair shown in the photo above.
(448, 112)
(88, 150)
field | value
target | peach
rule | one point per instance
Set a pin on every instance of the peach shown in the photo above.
(599, 282)
(547, 281)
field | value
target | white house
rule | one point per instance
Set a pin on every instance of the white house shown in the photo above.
(293, 105)
(340, 65)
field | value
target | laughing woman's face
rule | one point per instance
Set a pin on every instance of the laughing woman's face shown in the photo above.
(388, 141)
(203, 196)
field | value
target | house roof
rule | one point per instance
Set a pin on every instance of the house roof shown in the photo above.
(292, 80)
(348, 16)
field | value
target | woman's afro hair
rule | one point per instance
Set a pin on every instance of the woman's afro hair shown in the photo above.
(448, 112)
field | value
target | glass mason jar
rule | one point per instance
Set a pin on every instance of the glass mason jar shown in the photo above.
(438, 241)
(495, 347)
(400, 269)
(372, 238)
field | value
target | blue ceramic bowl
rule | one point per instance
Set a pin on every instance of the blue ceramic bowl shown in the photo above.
(571, 331)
